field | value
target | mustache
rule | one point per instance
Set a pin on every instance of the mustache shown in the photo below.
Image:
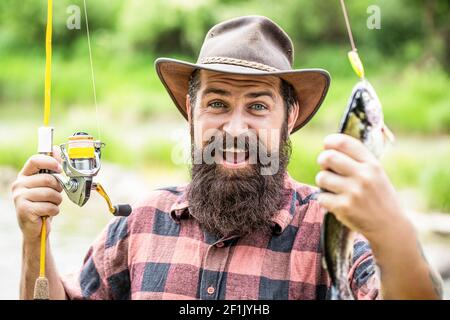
(257, 155)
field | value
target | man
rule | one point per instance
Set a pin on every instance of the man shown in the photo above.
(242, 228)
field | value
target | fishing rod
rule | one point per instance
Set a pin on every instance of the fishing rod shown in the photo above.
(353, 56)
(80, 155)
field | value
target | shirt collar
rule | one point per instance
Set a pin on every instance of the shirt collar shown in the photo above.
(281, 219)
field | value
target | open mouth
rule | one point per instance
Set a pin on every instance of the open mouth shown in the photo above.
(234, 157)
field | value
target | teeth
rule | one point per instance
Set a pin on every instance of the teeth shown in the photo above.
(233, 150)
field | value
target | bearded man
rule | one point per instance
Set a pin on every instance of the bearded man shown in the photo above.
(242, 228)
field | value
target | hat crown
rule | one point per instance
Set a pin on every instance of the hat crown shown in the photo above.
(252, 39)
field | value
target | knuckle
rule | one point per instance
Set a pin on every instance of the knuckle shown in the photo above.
(16, 196)
(53, 210)
(365, 176)
(21, 207)
(19, 195)
(319, 177)
(341, 142)
(364, 181)
(32, 209)
(58, 199)
(346, 204)
(49, 180)
(356, 194)
(33, 160)
(15, 185)
(328, 156)
(376, 167)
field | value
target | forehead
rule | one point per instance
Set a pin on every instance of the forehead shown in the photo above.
(238, 82)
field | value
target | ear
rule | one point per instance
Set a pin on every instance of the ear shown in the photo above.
(292, 117)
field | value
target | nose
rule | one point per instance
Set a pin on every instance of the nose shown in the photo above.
(235, 124)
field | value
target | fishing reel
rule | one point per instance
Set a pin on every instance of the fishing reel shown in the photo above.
(81, 162)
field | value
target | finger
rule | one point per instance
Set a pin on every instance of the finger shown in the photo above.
(337, 162)
(42, 180)
(38, 162)
(348, 145)
(331, 202)
(332, 182)
(42, 209)
(43, 195)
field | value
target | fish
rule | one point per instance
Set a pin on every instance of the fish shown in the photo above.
(363, 120)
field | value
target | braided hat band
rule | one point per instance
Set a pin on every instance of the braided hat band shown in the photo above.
(238, 62)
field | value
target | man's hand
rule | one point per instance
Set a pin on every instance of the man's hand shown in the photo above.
(362, 197)
(360, 194)
(36, 195)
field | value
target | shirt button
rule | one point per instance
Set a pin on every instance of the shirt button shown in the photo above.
(220, 244)
(210, 290)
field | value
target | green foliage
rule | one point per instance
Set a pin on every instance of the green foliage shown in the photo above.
(165, 27)
(403, 169)
(417, 101)
(435, 183)
(305, 149)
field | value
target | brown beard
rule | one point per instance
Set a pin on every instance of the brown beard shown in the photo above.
(227, 203)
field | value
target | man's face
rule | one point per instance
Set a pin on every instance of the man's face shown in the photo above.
(238, 122)
(235, 106)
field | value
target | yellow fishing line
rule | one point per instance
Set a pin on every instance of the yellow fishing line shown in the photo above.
(48, 63)
(82, 153)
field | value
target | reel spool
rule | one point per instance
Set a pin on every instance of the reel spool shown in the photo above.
(81, 163)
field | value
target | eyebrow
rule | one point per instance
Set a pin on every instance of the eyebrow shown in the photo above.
(248, 95)
(259, 94)
(216, 91)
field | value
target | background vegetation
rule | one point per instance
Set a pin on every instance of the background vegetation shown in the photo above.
(407, 61)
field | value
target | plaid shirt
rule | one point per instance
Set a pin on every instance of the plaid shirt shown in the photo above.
(160, 252)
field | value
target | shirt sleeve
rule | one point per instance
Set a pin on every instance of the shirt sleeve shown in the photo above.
(363, 276)
(104, 274)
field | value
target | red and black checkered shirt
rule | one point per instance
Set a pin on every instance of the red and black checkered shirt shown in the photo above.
(161, 252)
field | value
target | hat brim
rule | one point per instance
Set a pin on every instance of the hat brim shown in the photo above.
(311, 85)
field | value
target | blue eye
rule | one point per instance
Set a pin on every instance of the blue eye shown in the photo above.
(216, 105)
(258, 107)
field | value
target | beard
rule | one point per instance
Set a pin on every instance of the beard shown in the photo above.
(228, 202)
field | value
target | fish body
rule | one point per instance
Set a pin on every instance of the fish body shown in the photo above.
(362, 120)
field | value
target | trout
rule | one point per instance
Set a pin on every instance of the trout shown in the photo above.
(363, 120)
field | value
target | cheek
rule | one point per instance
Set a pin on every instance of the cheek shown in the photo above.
(270, 138)
(269, 131)
(204, 129)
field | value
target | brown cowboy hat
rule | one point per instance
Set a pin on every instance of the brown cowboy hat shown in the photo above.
(251, 45)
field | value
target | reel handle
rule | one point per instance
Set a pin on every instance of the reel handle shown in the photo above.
(122, 210)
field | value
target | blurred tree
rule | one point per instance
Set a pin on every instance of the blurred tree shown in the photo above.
(23, 26)
(436, 15)
(409, 28)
